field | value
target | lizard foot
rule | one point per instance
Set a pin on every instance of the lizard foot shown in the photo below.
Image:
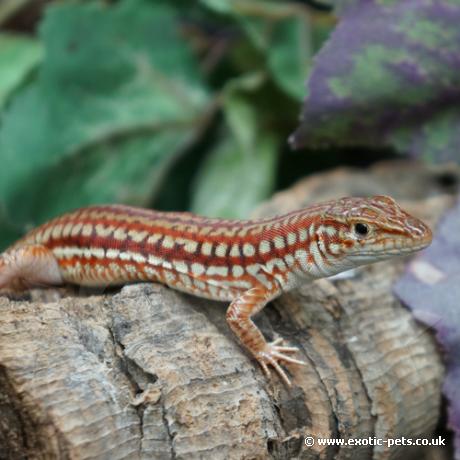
(272, 354)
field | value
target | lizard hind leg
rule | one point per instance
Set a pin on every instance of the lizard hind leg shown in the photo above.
(30, 265)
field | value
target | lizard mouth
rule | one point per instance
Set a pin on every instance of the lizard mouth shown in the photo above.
(410, 243)
(399, 247)
(406, 249)
(393, 251)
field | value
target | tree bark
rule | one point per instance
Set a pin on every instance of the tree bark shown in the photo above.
(147, 372)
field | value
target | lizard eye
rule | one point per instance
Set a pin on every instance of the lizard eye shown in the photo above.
(361, 229)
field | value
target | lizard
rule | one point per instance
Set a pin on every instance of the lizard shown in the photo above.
(245, 262)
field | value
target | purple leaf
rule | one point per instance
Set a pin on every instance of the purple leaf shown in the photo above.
(431, 288)
(389, 76)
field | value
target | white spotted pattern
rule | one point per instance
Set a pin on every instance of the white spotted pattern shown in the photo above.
(318, 258)
(67, 229)
(180, 266)
(291, 238)
(185, 279)
(217, 270)
(197, 269)
(237, 271)
(112, 253)
(75, 230)
(190, 246)
(57, 230)
(248, 250)
(206, 248)
(136, 236)
(103, 231)
(169, 277)
(276, 262)
(221, 250)
(279, 242)
(303, 235)
(153, 239)
(168, 242)
(87, 230)
(151, 272)
(235, 251)
(264, 247)
(119, 234)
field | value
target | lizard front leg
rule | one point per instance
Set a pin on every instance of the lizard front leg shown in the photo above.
(239, 315)
(28, 265)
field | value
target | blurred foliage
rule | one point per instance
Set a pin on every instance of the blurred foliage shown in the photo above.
(108, 100)
(188, 105)
(18, 57)
(389, 75)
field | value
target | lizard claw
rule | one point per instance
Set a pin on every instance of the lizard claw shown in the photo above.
(272, 354)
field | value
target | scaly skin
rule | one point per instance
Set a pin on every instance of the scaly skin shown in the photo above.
(246, 262)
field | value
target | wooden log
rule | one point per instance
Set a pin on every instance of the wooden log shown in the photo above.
(147, 372)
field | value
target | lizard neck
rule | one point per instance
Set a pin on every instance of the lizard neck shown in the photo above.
(307, 243)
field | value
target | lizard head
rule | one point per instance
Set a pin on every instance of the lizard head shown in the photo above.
(371, 229)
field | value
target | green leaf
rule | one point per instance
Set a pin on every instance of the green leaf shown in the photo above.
(18, 56)
(111, 171)
(239, 173)
(221, 6)
(290, 55)
(112, 108)
(283, 32)
(232, 182)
